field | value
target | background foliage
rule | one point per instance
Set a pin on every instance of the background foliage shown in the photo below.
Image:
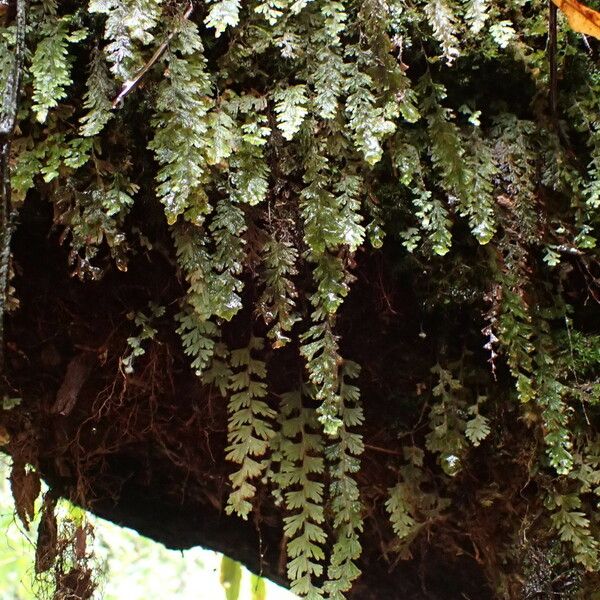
(128, 565)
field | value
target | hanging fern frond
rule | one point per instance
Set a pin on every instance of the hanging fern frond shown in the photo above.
(249, 427)
(299, 476)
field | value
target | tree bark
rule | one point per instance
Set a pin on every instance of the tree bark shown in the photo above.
(147, 450)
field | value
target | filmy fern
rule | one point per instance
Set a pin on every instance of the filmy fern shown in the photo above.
(299, 479)
(182, 129)
(290, 106)
(277, 302)
(97, 97)
(250, 425)
(343, 454)
(51, 64)
(128, 23)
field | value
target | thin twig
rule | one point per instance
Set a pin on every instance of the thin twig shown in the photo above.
(130, 84)
(383, 450)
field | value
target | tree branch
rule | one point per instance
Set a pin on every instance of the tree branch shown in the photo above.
(8, 119)
(552, 58)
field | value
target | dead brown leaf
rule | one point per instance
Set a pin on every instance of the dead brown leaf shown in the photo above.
(581, 18)
(4, 436)
(80, 542)
(25, 485)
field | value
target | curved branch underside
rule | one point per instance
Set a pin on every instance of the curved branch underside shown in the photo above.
(147, 450)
